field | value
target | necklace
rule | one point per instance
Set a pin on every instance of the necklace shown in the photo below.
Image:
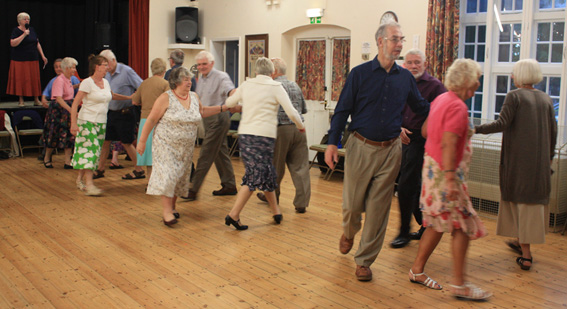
(180, 98)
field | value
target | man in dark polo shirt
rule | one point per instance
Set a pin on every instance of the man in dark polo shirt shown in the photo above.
(409, 183)
(374, 96)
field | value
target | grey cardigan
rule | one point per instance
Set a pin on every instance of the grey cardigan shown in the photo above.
(529, 128)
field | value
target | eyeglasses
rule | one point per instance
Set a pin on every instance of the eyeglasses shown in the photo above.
(397, 40)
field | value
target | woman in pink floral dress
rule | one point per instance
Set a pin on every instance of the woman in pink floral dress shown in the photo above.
(445, 201)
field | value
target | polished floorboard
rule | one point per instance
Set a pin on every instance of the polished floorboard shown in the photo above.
(62, 249)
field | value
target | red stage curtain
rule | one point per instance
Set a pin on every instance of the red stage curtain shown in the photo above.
(139, 36)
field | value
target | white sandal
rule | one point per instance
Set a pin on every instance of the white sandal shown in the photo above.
(80, 185)
(93, 191)
(428, 282)
(473, 292)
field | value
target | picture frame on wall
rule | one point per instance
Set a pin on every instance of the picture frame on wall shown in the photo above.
(256, 47)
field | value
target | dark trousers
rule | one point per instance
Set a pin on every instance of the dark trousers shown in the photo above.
(409, 184)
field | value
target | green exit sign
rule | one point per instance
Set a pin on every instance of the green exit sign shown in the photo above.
(315, 20)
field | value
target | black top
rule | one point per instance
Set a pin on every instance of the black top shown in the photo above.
(27, 50)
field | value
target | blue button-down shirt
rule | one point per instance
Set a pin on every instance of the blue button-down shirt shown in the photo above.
(124, 81)
(375, 99)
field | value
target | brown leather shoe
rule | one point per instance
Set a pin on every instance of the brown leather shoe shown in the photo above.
(191, 195)
(363, 273)
(225, 191)
(345, 244)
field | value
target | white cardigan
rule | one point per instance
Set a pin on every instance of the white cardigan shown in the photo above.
(261, 97)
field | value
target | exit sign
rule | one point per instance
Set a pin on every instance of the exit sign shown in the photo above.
(315, 20)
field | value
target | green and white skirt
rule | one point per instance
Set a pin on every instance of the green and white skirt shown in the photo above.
(88, 144)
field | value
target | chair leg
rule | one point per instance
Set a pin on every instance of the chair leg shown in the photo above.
(313, 161)
(232, 149)
(19, 144)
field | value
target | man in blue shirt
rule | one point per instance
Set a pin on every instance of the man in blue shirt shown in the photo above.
(175, 60)
(374, 96)
(121, 122)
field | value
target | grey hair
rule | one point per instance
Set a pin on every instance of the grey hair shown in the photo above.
(177, 56)
(68, 62)
(381, 32)
(415, 51)
(108, 54)
(178, 75)
(205, 55)
(22, 15)
(527, 72)
(462, 74)
(279, 65)
(264, 66)
(157, 66)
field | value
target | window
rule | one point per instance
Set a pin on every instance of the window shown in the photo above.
(551, 85)
(552, 4)
(529, 29)
(475, 41)
(475, 103)
(509, 45)
(549, 47)
(511, 5)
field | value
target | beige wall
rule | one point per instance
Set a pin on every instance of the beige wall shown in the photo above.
(220, 19)
(162, 30)
(285, 23)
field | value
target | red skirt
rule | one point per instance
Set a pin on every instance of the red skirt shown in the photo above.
(23, 79)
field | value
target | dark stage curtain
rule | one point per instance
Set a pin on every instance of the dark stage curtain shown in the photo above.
(66, 28)
(139, 36)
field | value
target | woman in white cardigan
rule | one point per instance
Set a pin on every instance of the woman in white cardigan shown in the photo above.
(260, 98)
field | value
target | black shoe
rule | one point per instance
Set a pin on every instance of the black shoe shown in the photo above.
(228, 221)
(400, 242)
(300, 210)
(98, 174)
(417, 235)
(278, 218)
(225, 191)
(176, 215)
(68, 166)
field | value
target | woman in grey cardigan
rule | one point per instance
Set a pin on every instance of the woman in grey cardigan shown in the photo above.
(527, 120)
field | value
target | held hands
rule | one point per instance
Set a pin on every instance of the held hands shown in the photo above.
(332, 156)
(74, 129)
(27, 32)
(404, 136)
(302, 130)
(141, 148)
(235, 109)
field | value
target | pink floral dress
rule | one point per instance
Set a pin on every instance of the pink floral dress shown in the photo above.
(441, 214)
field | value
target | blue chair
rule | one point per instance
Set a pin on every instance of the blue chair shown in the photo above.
(27, 123)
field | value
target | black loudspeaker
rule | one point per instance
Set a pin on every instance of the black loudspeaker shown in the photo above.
(187, 25)
(104, 36)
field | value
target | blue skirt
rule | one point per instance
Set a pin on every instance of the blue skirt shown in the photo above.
(257, 154)
(146, 158)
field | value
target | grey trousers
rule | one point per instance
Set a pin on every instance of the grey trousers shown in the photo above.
(214, 150)
(291, 149)
(370, 174)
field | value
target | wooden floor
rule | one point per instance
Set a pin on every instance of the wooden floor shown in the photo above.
(62, 249)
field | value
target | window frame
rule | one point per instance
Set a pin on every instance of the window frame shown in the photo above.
(529, 18)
